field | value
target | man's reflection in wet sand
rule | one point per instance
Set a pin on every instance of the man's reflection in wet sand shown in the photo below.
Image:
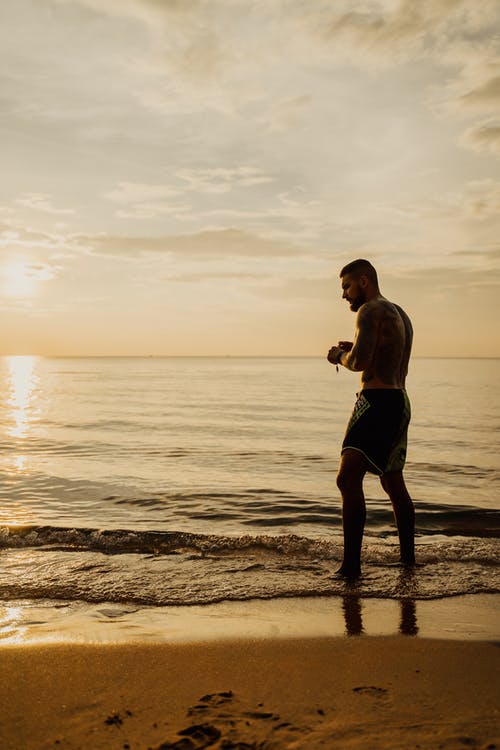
(408, 622)
(352, 609)
(351, 606)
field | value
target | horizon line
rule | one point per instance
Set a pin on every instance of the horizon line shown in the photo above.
(224, 356)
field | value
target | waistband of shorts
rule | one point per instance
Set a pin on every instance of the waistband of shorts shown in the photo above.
(365, 391)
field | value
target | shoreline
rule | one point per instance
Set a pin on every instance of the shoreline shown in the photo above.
(472, 617)
(385, 693)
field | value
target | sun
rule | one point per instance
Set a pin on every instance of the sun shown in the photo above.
(17, 281)
(20, 278)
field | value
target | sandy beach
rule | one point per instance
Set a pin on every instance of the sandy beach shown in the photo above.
(358, 692)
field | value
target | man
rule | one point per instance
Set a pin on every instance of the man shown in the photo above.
(376, 436)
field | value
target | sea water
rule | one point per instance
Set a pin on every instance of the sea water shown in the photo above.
(188, 481)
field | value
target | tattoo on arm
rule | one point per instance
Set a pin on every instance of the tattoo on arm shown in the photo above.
(361, 355)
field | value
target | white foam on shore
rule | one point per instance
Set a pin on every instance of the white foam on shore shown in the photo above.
(471, 617)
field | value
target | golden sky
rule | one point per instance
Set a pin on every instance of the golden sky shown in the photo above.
(188, 176)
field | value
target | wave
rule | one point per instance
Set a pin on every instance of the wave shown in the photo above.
(119, 541)
(177, 568)
(124, 541)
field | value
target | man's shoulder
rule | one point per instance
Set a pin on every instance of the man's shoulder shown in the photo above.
(381, 308)
(382, 305)
(377, 306)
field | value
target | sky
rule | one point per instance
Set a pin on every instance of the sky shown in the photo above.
(187, 177)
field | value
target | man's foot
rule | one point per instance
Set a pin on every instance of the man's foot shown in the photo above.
(410, 565)
(348, 571)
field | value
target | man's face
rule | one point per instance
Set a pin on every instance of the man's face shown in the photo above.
(353, 292)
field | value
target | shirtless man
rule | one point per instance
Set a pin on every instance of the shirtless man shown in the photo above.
(376, 436)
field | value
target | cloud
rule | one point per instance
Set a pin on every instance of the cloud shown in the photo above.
(222, 180)
(209, 245)
(139, 192)
(286, 113)
(153, 210)
(401, 283)
(14, 236)
(42, 202)
(490, 253)
(207, 180)
(149, 11)
(376, 24)
(460, 37)
(239, 276)
(31, 270)
(483, 137)
(37, 255)
(467, 274)
(477, 200)
(486, 94)
(385, 31)
(287, 216)
(225, 60)
(482, 199)
(189, 46)
(146, 201)
(476, 86)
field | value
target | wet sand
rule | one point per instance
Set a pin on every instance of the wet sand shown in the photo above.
(344, 692)
(472, 617)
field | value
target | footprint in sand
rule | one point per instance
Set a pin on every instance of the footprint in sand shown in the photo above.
(195, 737)
(223, 721)
(376, 692)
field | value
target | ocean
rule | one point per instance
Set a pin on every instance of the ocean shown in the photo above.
(187, 481)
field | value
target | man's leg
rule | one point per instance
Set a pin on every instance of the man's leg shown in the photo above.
(350, 483)
(404, 513)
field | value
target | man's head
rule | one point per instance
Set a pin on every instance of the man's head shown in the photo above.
(359, 283)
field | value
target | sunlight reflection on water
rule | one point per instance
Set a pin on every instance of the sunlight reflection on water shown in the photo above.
(12, 629)
(23, 383)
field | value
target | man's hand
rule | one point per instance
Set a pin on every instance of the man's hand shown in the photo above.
(346, 346)
(334, 354)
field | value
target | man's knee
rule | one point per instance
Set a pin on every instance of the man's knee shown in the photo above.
(394, 485)
(385, 484)
(393, 482)
(351, 472)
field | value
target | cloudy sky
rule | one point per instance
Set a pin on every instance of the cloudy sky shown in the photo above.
(188, 176)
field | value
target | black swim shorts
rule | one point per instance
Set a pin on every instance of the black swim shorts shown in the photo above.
(378, 428)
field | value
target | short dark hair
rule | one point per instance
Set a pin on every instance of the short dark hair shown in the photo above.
(360, 267)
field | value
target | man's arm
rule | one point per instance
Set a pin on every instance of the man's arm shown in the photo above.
(360, 357)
